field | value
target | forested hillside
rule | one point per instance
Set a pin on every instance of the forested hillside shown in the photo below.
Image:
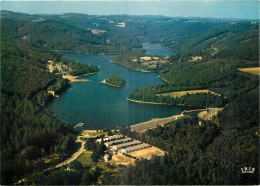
(32, 138)
(223, 51)
(103, 34)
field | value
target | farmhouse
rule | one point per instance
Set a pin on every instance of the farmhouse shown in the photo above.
(124, 145)
(135, 148)
(123, 140)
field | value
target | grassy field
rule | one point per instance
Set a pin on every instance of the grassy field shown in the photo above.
(144, 153)
(208, 115)
(121, 159)
(182, 93)
(253, 70)
(85, 158)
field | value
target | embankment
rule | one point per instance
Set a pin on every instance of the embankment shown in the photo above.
(141, 127)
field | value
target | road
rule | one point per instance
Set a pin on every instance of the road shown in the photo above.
(74, 156)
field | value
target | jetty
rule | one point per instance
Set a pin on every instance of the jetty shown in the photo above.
(79, 125)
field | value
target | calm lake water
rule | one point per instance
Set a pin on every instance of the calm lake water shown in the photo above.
(100, 106)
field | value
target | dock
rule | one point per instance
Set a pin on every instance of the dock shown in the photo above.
(79, 125)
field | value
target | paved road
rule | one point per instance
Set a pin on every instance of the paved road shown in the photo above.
(74, 156)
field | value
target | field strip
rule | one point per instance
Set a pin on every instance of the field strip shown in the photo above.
(252, 70)
(182, 93)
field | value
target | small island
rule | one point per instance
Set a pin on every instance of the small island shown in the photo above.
(115, 81)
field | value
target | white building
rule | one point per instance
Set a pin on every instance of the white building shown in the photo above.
(124, 145)
(111, 138)
(135, 148)
(115, 142)
(106, 157)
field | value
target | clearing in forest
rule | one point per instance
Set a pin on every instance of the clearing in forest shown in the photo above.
(209, 113)
(121, 159)
(182, 93)
(252, 70)
(146, 152)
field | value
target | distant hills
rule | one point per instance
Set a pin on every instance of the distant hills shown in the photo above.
(74, 32)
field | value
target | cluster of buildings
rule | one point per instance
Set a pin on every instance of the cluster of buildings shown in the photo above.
(123, 145)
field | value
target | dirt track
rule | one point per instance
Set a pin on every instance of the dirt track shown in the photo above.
(74, 156)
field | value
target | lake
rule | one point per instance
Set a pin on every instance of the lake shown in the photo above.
(101, 106)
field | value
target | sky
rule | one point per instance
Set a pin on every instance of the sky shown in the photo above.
(174, 8)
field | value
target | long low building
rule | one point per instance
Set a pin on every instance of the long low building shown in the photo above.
(123, 140)
(135, 148)
(124, 145)
(111, 138)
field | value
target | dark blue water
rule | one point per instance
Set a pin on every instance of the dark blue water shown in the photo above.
(153, 49)
(99, 106)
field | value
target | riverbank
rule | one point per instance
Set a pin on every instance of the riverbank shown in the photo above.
(163, 79)
(75, 78)
(153, 123)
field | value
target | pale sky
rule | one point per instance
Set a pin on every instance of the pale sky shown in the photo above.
(175, 8)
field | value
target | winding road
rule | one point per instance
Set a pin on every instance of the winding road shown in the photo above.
(74, 156)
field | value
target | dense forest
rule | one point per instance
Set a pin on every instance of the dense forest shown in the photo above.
(33, 139)
(30, 134)
(115, 81)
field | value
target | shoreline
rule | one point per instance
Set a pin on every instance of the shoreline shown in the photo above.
(73, 79)
(104, 81)
(153, 103)
(163, 79)
(131, 68)
(64, 51)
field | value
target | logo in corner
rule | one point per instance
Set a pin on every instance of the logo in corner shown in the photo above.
(248, 170)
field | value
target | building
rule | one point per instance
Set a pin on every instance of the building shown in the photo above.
(124, 145)
(106, 157)
(111, 138)
(122, 25)
(135, 148)
(123, 140)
